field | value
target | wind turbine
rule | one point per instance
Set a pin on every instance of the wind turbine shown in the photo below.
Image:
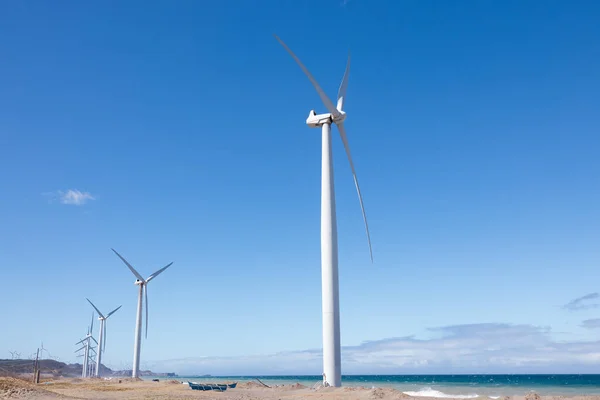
(85, 358)
(86, 348)
(91, 357)
(143, 292)
(92, 354)
(42, 349)
(332, 374)
(101, 335)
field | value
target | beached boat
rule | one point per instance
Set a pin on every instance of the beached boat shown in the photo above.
(223, 386)
(207, 386)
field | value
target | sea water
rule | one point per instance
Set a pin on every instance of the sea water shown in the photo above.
(442, 386)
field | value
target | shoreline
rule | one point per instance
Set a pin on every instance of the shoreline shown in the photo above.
(418, 389)
(127, 388)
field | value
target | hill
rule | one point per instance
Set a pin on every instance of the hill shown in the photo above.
(57, 368)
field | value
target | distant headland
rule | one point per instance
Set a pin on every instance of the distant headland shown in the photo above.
(60, 369)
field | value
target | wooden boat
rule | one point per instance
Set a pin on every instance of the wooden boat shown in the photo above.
(207, 386)
(222, 386)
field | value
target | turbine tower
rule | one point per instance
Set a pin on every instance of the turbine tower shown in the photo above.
(332, 371)
(101, 335)
(143, 292)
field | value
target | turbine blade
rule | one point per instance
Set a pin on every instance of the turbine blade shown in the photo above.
(146, 301)
(137, 275)
(95, 308)
(362, 207)
(92, 325)
(343, 86)
(113, 311)
(154, 275)
(80, 349)
(326, 101)
(81, 341)
(91, 337)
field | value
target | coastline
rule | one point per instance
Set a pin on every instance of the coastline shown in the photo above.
(440, 386)
(127, 388)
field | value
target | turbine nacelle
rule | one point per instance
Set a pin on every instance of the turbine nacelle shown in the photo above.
(315, 120)
(138, 282)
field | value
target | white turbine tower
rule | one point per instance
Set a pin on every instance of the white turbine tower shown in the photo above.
(332, 372)
(101, 335)
(143, 292)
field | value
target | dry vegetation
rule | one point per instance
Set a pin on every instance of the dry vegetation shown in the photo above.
(18, 388)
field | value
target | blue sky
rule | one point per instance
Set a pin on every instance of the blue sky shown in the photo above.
(474, 130)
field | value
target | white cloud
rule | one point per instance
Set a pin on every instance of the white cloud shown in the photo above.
(476, 348)
(75, 197)
(71, 197)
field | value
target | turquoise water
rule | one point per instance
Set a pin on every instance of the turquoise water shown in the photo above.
(456, 386)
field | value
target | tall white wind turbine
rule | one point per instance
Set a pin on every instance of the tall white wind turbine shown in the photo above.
(143, 292)
(101, 335)
(332, 373)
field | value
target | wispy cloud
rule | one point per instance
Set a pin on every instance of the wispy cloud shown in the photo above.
(75, 197)
(591, 323)
(583, 302)
(475, 348)
(71, 197)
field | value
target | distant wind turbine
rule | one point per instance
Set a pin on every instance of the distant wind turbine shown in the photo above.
(143, 293)
(101, 335)
(42, 349)
(91, 357)
(86, 347)
(332, 373)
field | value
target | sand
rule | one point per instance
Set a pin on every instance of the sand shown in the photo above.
(11, 388)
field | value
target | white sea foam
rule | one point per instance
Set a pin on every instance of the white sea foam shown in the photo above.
(429, 392)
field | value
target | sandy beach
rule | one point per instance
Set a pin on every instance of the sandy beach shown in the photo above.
(75, 388)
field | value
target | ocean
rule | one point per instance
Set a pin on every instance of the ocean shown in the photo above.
(443, 386)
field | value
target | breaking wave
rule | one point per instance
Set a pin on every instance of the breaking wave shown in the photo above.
(429, 392)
